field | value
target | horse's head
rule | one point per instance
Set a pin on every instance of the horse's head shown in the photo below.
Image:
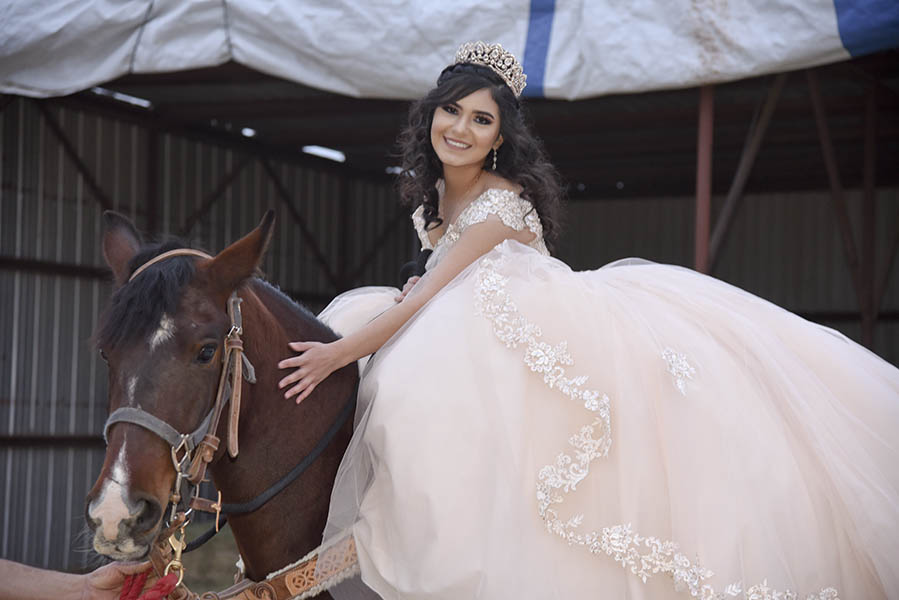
(162, 337)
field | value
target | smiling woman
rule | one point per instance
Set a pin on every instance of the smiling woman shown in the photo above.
(638, 431)
(472, 119)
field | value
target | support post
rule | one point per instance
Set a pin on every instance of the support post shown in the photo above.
(380, 241)
(744, 168)
(72, 153)
(704, 177)
(307, 236)
(836, 188)
(153, 181)
(343, 248)
(213, 196)
(869, 216)
(887, 268)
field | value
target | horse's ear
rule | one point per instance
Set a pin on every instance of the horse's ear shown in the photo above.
(240, 260)
(121, 242)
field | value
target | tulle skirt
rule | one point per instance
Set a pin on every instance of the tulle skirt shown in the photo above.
(637, 431)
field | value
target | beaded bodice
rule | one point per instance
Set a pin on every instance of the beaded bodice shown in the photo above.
(513, 210)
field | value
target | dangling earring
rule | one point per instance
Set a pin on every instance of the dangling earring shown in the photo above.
(494, 158)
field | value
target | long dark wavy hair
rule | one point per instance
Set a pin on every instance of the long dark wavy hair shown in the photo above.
(521, 158)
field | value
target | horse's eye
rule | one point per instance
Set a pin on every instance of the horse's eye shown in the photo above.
(103, 355)
(206, 354)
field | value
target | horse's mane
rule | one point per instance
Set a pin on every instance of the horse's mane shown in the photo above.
(136, 308)
(298, 308)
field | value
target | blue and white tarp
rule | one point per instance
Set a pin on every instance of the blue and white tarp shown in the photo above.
(395, 49)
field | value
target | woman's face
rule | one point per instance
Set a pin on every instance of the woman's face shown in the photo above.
(464, 131)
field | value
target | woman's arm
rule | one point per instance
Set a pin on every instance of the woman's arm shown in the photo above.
(318, 360)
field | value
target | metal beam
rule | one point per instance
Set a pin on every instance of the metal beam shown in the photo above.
(152, 208)
(881, 288)
(744, 168)
(53, 441)
(379, 242)
(307, 236)
(287, 153)
(836, 188)
(43, 267)
(214, 195)
(343, 243)
(704, 177)
(869, 215)
(69, 149)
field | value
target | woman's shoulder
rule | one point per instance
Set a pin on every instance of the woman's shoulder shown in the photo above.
(503, 200)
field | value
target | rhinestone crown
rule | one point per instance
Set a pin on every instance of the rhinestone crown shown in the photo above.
(497, 58)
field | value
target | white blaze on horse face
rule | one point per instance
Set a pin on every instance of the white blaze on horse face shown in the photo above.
(163, 333)
(111, 506)
(132, 385)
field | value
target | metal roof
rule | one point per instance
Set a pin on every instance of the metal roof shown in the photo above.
(608, 147)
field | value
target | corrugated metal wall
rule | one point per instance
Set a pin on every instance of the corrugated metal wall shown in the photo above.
(52, 385)
(783, 247)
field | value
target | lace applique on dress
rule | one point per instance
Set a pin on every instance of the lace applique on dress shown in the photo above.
(418, 221)
(513, 210)
(679, 368)
(643, 556)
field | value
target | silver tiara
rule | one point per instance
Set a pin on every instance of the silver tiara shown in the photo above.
(497, 58)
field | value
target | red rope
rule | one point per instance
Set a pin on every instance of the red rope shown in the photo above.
(135, 583)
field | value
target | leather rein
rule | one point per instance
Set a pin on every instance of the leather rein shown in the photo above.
(193, 452)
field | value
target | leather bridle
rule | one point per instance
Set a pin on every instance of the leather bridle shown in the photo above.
(193, 452)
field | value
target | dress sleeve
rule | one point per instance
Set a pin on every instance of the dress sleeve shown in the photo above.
(418, 221)
(513, 210)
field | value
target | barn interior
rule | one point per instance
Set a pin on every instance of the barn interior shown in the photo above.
(802, 208)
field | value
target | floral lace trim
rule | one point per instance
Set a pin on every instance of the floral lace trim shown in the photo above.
(493, 301)
(679, 368)
(514, 211)
(418, 221)
(645, 556)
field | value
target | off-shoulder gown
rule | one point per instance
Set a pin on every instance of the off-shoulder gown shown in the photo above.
(640, 431)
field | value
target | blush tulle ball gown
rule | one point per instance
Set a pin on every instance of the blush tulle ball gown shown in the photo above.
(640, 431)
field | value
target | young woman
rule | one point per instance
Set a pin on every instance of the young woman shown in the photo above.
(638, 431)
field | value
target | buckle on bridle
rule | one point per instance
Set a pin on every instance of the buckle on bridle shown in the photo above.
(179, 463)
(184, 445)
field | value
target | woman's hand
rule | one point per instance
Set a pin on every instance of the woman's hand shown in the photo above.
(407, 288)
(315, 362)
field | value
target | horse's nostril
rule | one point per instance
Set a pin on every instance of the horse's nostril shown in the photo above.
(93, 523)
(147, 515)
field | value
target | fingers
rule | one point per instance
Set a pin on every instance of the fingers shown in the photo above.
(299, 360)
(302, 389)
(306, 393)
(292, 378)
(293, 362)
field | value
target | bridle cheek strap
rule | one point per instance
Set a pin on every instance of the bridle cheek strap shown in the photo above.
(203, 438)
(234, 351)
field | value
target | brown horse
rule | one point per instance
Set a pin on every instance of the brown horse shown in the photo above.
(162, 337)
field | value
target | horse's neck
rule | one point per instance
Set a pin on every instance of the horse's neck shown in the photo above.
(275, 434)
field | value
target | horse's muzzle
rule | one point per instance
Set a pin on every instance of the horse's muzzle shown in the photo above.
(123, 528)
